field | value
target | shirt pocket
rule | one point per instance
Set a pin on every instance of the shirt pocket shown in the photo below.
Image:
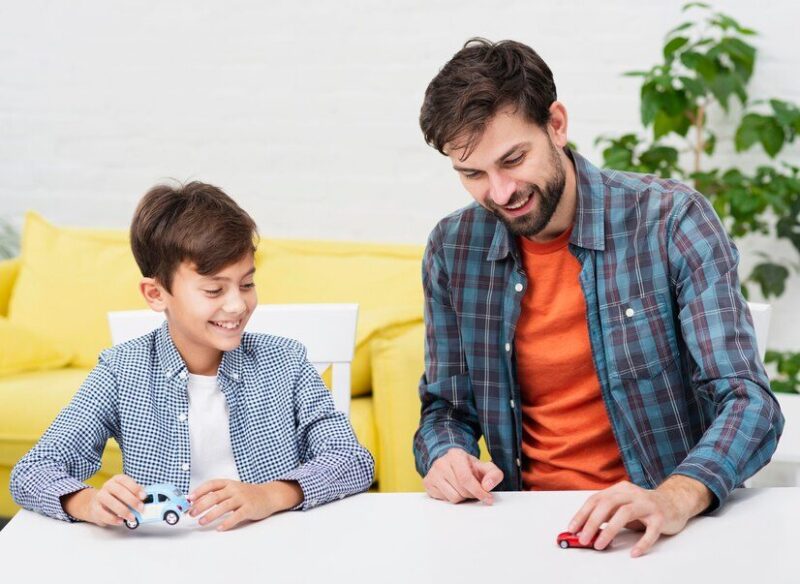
(639, 336)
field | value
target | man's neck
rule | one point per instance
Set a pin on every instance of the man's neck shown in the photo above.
(564, 216)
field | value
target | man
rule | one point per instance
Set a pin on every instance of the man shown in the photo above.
(588, 323)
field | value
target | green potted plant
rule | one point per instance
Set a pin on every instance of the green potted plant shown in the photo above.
(707, 64)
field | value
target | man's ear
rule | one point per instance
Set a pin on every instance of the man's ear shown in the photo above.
(154, 294)
(558, 124)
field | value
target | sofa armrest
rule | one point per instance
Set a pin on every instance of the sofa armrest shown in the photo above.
(8, 275)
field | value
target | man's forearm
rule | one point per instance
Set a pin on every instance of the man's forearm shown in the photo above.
(689, 496)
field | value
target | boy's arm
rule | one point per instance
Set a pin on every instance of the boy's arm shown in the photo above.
(70, 450)
(333, 463)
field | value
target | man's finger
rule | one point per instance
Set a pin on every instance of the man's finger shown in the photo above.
(621, 518)
(651, 535)
(448, 491)
(488, 474)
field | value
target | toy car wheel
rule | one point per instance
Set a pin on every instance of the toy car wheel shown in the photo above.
(564, 544)
(171, 517)
(131, 524)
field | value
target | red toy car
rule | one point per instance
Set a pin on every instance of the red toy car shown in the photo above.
(566, 540)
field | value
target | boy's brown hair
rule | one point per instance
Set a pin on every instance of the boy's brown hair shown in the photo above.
(478, 81)
(195, 222)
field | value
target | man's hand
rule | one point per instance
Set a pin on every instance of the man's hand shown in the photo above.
(664, 510)
(243, 501)
(457, 476)
(109, 505)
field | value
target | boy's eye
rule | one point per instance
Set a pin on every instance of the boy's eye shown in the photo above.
(249, 286)
(213, 292)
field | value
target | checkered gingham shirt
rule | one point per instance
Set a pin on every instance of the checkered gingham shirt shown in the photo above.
(672, 339)
(283, 425)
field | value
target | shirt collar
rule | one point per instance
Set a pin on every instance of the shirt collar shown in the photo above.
(172, 363)
(588, 230)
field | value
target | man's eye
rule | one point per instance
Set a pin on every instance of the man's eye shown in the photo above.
(471, 175)
(514, 161)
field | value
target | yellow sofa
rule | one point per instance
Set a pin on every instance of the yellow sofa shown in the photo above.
(55, 296)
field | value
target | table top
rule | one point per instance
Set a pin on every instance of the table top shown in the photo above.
(411, 538)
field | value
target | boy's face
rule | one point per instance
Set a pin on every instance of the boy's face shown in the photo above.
(207, 314)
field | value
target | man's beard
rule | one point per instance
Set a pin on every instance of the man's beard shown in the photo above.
(536, 219)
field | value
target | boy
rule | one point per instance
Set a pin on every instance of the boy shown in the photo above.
(240, 421)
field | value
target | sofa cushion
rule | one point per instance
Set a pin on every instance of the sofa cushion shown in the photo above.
(384, 280)
(398, 363)
(24, 350)
(68, 281)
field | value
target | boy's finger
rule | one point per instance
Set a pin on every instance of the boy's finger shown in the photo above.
(207, 501)
(111, 510)
(131, 485)
(218, 511)
(121, 493)
(232, 520)
(207, 487)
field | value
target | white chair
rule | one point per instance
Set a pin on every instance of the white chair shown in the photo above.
(784, 469)
(328, 332)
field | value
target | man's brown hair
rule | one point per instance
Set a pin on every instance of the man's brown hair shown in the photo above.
(195, 222)
(479, 80)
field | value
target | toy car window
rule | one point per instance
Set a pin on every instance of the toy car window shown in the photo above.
(148, 499)
(162, 498)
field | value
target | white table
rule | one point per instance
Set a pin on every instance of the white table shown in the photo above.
(410, 538)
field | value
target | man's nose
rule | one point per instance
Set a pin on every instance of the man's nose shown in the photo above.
(501, 189)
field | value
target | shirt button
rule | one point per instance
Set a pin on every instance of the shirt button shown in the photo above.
(630, 312)
(235, 376)
(182, 375)
(518, 287)
(508, 347)
(512, 404)
(182, 417)
(519, 463)
(185, 466)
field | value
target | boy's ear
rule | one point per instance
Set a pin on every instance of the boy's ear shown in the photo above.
(154, 294)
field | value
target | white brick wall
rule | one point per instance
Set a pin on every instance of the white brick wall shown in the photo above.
(307, 112)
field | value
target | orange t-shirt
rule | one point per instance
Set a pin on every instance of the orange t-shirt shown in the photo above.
(567, 441)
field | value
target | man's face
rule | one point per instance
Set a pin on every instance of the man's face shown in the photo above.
(207, 314)
(514, 171)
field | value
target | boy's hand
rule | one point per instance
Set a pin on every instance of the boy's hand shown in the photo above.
(457, 476)
(107, 506)
(244, 501)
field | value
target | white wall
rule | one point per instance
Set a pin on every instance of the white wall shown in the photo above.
(306, 112)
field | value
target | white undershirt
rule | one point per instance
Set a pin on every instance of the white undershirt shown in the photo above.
(209, 432)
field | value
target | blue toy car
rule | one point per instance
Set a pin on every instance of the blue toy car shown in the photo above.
(163, 502)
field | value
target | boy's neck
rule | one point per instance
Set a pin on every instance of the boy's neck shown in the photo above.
(200, 360)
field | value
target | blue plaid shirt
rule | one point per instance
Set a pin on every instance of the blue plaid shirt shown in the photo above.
(672, 339)
(282, 424)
